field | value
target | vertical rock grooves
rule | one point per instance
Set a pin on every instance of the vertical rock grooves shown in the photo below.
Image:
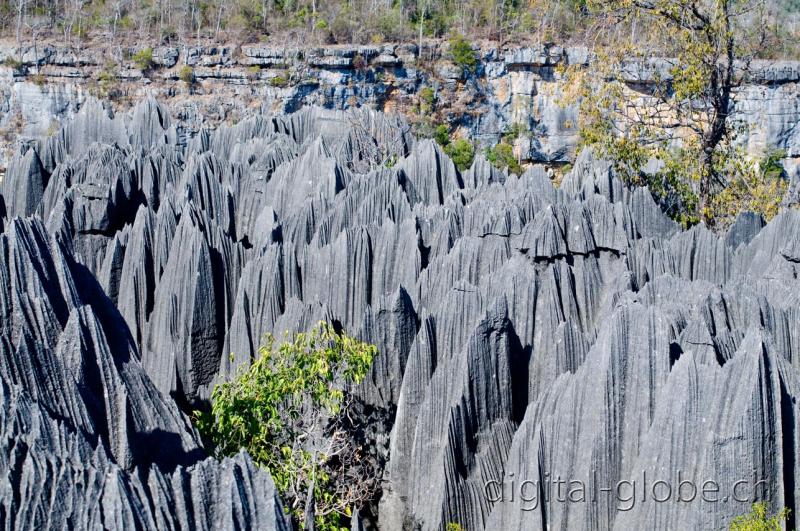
(527, 334)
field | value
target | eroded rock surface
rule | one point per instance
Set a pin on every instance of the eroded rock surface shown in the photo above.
(526, 332)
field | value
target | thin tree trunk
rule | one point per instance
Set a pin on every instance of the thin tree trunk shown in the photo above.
(20, 14)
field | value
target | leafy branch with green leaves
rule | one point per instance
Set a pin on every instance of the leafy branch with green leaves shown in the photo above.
(667, 123)
(289, 410)
(759, 520)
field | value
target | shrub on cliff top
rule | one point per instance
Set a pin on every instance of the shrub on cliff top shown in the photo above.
(463, 55)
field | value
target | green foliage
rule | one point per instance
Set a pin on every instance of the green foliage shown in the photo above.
(502, 156)
(514, 131)
(759, 520)
(442, 135)
(107, 80)
(143, 59)
(12, 63)
(758, 188)
(453, 526)
(283, 405)
(460, 150)
(186, 74)
(462, 54)
(682, 127)
(279, 81)
(427, 100)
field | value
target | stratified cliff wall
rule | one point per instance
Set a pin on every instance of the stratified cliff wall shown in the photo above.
(532, 339)
(512, 85)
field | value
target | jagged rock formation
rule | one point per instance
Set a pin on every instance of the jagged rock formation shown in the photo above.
(526, 332)
(513, 86)
(88, 440)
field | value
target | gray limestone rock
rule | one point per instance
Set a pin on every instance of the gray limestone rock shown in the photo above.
(525, 332)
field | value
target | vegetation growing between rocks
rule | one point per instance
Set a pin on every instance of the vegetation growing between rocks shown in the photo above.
(681, 141)
(186, 74)
(143, 59)
(463, 55)
(460, 150)
(289, 410)
(759, 520)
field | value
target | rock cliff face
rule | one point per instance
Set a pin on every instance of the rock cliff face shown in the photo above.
(512, 86)
(528, 335)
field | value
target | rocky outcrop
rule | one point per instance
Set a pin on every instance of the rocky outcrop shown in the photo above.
(519, 87)
(88, 439)
(537, 345)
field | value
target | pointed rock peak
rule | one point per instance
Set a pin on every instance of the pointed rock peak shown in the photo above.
(482, 173)
(539, 182)
(744, 229)
(401, 301)
(24, 184)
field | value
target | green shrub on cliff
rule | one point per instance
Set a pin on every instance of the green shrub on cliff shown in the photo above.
(462, 54)
(186, 74)
(143, 59)
(460, 150)
(502, 156)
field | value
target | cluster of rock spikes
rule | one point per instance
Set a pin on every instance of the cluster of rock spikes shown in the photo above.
(526, 332)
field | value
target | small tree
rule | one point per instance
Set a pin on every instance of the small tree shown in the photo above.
(289, 411)
(143, 59)
(758, 520)
(186, 74)
(463, 55)
(687, 124)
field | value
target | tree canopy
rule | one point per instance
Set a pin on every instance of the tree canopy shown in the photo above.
(678, 136)
(289, 410)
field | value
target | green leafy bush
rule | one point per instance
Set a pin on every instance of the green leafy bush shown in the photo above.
(12, 63)
(442, 135)
(143, 59)
(758, 188)
(462, 53)
(502, 156)
(427, 99)
(289, 411)
(758, 520)
(186, 74)
(279, 81)
(462, 152)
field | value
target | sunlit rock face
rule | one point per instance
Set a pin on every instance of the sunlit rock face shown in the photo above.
(537, 344)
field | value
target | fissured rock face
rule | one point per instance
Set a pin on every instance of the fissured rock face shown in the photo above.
(512, 86)
(537, 344)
